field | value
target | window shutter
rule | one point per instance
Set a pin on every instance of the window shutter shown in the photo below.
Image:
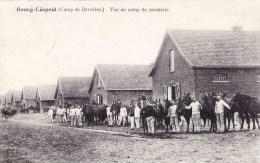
(165, 91)
(171, 61)
(101, 99)
(178, 90)
(170, 93)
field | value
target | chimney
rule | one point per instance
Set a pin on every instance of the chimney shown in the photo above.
(237, 29)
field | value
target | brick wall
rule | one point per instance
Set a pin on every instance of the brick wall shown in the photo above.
(242, 80)
(17, 105)
(30, 102)
(95, 90)
(78, 101)
(46, 104)
(126, 96)
(183, 73)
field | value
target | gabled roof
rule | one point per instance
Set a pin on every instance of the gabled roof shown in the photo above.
(29, 92)
(124, 77)
(17, 95)
(46, 92)
(74, 87)
(8, 97)
(217, 48)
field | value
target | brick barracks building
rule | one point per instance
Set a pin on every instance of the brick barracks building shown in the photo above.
(207, 60)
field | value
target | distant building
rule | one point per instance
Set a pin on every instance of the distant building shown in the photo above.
(16, 100)
(124, 82)
(72, 89)
(28, 96)
(207, 60)
(2, 101)
(45, 96)
(8, 99)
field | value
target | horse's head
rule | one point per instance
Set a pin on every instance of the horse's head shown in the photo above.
(234, 103)
(203, 97)
(211, 100)
(185, 100)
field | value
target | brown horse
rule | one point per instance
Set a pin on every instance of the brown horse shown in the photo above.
(8, 112)
(181, 111)
(248, 106)
(208, 102)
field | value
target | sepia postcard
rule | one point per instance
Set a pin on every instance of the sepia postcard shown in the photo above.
(130, 81)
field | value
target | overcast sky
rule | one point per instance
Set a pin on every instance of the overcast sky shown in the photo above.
(36, 48)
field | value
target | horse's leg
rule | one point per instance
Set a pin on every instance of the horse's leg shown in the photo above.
(242, 123)
(211, 124)
(204, 118)
(229, 119)
(256, 118)
(188, 123)
(225, 122)
(248, 121)
(253, 120)
(233, 120)
(214, 122)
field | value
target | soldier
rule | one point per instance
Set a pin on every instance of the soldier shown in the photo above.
(172, 113)
(150, 114)
(122, 115)
(72, 116)
(196, 107)
(137, 115)
(219, 111)
(109, 116)
(50, 114)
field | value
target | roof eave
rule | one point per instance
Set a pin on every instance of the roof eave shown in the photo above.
(228, 66)
(102, 81)
(141, 89)
(158, 56)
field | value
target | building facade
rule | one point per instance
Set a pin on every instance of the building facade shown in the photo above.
(73, 90)
(28, 96)
(191, 61)
(45, 97)
(124, 82)
(16, 100)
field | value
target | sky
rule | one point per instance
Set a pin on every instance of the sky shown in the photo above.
(37, 48)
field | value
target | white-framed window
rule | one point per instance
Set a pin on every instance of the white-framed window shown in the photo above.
(98, 81)
(171, 64)
(220, 78)
(99, 99)
(165, 91)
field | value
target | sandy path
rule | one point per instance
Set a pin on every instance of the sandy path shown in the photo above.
(52, 143)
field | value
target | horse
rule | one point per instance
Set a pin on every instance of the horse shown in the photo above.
(88, 113)
(181, 111)
(165, 105)
(208, 102)
(248, 106)
(115, 107)
(25, 110)
(8, 112)
(160, 110)
(128, 108)
(145, 113)
(99, 113)
(228, 113)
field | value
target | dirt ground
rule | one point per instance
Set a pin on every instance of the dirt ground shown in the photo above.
(30, 138)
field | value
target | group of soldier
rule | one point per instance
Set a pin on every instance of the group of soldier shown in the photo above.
(133, 114)
(138, 107)
(72, 114)
(196, 107)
